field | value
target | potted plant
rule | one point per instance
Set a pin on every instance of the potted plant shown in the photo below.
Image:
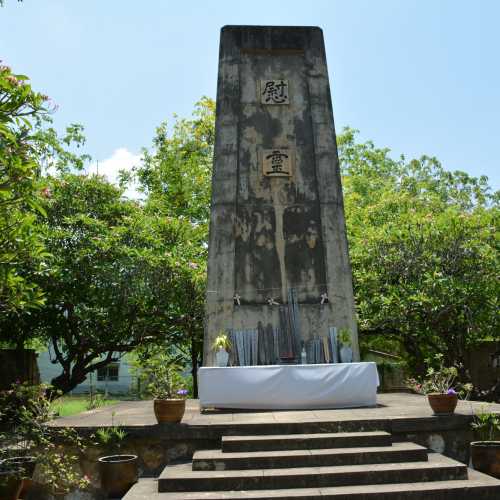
(221, 346)
(166, 387)
(24, 465)
(10, 481)
(20, 466)
(346, 343)
(485, 453)
(118, 471)
(20, 405)
(50, 464)
(438, 386)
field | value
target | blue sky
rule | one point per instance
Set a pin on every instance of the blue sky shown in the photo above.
(417, 76)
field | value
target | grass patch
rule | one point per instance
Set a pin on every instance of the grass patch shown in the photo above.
(72, 405)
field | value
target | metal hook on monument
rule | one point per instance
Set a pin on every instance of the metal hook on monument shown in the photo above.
(272, 302)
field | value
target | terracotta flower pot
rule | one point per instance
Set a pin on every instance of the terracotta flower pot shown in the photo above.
(10, 484)
(169, 410)
(443, 404)
(118, 474)
(26, 465)
(485, 457)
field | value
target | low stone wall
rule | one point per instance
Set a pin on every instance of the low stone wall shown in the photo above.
(450, 436)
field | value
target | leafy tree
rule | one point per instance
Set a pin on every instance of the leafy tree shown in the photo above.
(424, 251)
(176, 177)
(176, 173)
(115, 277)
(21, 110)
(29, 147)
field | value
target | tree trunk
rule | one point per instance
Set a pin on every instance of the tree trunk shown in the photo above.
(194, 365)
(66, 382)
(62, 383)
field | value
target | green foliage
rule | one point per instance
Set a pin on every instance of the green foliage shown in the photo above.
(424, 252)
(68, 405)
(24, 401)
(111, 438)
(27, 410)
(176, 177)
(118, 274)
(345, 336)
(94, 401)
(222, 341)
(163, 378)
(27, 149)
(486, 425)
(21, 110)
(176, 174)
(441, 379)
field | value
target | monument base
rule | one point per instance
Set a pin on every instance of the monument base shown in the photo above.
(289, 387)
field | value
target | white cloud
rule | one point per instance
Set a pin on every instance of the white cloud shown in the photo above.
(121, 159)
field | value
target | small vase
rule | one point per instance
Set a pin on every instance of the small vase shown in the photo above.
(169, 410)
(442, 404)
(221, 357)
(346, 354)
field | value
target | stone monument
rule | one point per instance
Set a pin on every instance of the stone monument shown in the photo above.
(279, 276)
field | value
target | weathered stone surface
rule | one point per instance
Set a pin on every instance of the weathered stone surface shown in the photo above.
(305, 441)
(218, 460)
(477, 487)
(276, 225)
(183, 478)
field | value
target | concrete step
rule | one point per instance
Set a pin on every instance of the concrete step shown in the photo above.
(477, 487)
(183, 478)
(217, 460)
(305, 441)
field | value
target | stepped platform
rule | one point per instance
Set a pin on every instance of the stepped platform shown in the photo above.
(406, 417)
(477, 486)
(396, 450)
(391, 471)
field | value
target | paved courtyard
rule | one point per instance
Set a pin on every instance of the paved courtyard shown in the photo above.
(390, 406)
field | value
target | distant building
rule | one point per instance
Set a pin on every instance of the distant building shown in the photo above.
(116, 378)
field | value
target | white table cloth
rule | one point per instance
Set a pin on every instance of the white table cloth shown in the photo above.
(298, 387)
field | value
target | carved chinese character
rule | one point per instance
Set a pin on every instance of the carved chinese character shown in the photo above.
(274, 91)
(277, 162)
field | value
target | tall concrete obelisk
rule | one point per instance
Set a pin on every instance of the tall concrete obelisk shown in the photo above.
(277, 228)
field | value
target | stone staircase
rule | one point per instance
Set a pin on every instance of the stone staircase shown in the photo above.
(350, 465)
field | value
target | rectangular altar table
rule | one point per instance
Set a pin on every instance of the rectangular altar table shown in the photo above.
(289, 387)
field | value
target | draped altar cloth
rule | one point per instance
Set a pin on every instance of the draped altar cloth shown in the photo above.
(289, 387)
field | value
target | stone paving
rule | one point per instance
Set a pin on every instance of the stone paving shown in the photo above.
(390, 406)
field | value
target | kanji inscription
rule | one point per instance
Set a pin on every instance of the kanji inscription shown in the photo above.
(277, 162)
(274, 92)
